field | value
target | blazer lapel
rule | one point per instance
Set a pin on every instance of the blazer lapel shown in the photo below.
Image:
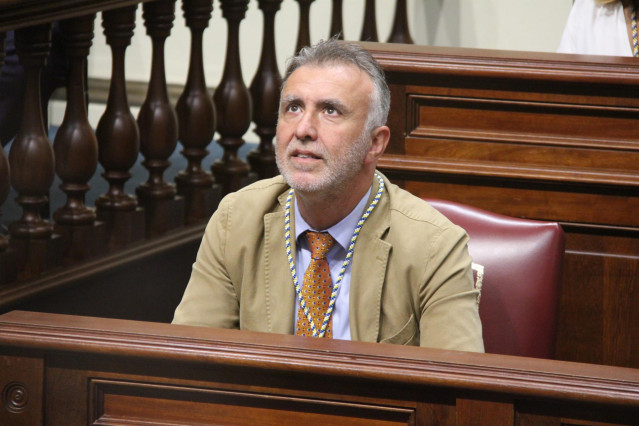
(370, 260)
(279, 291)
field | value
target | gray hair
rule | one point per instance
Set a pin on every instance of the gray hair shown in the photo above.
(334, 52)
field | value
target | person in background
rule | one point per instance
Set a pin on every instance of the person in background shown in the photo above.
(331, 248)
(601, 27)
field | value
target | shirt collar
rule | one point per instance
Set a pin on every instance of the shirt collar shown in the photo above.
(341, 231)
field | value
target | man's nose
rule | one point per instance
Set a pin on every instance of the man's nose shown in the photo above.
(306, 128)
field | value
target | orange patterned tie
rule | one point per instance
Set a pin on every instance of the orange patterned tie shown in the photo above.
(317, 285)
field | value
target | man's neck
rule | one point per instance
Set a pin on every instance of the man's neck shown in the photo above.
(323, 210)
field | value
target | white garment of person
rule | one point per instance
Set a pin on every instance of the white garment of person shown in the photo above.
(596, 29)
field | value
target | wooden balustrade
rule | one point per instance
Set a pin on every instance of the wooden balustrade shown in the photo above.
(265, 94)
(31, 161)
(158, 125)
(76, 151)
(369, 29)
(232, 103)
(119, 139)
(196, 118)
(78, 231)
(7, 261)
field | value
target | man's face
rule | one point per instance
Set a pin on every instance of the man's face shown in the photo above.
(320, 140)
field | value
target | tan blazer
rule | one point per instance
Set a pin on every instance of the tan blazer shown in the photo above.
(411, 280)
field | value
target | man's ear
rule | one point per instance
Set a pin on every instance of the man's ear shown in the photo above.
(379, 140)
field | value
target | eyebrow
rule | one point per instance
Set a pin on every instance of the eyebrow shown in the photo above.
(333, 102)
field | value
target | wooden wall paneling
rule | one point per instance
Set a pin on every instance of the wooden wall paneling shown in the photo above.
(21, 389)
(484, 412)
(538, 136)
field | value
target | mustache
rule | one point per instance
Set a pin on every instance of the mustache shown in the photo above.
(314, 149)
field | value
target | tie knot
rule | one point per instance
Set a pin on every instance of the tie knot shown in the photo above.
(320, 243)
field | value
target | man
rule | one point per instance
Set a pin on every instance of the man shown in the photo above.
(387, 266)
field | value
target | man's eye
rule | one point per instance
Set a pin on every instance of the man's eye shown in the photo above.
(293, 108)
(330, 110)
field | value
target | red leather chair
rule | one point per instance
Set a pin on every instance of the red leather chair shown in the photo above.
(522, 262)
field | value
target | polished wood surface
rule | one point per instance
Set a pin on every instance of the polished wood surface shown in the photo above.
(77, 369)
(539, 136)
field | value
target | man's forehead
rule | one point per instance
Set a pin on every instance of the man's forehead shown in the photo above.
(336, 74)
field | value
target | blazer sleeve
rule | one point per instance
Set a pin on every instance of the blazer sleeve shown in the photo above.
(210, 298)
(448, 298)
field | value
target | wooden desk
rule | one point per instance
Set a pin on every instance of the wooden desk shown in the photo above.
(58, 369)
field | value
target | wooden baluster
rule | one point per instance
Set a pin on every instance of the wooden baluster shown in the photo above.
(158, 129)
(196, 118)
(233, 104)
(265, 94)
(304, 31)
(4, 166)
(31, 162)
(7, 255)
(400, 32)
(337, 27)
(76, 151)
(119, 138)
(369, 29)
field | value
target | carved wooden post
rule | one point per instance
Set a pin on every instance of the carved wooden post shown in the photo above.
(7, 255)
(196, 117)
(158, 128)
(369, 29)
(31, 161)
(304, 31)
(265, 93)
(337, 27)
(76, 150)
(400, 32)
(233, 104)
(119, 138)
(4, 168)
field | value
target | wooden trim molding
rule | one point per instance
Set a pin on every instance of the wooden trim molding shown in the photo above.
(523, 377)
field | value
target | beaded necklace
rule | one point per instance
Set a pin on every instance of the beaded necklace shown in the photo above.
(633, 27)
(347, 260)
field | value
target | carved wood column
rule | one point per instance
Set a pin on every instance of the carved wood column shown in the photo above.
(76, 150)
(304, 31)
(400, 32)
(7, 255)
(265, 94)
(196, 118)
(337, 26)
(158, 128)
(119, 138)
(233, 104)
(369, 28)
(4, 164)
(31, 161)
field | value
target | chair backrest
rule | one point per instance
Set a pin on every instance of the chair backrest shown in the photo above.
(522, 262)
